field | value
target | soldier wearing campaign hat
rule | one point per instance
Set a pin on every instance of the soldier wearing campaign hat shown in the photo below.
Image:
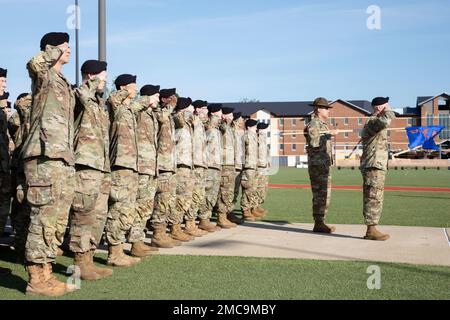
(93, 171)
(318, 147)
(373, 167)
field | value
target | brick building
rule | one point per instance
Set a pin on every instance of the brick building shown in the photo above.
(288, 119)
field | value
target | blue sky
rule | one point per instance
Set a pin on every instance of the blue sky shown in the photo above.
(269, 50)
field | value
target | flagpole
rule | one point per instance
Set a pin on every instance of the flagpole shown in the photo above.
(77, 26)
(102, 30)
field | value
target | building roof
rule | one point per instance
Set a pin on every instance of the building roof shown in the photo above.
(292, 108)
(422, 100)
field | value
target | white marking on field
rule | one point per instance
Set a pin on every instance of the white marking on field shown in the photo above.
(446, 235)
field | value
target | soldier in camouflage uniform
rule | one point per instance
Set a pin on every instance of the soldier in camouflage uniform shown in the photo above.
(4, 159)
(124, 169)
(224, 204)
(238, 129)
(184, 174)
(165, 198)
(19, 126)
(93, 172)
(147, 128)
(249, 200)
(5, 155)
(49, 163)
(374, 165)
(263, 165)
(214, 162)
(318, 140)
(200, 162)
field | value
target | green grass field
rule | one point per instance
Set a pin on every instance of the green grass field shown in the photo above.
(224, 278)
(403, 208)
(194, 277)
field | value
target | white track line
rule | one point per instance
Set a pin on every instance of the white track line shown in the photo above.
(446, 235)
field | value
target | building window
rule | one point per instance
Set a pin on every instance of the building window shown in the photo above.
(388, 133)
(282, 147)
(268, 134)
(346, 135)
(294, 136)
(346, 146)
(444, 120)
(360, 121)
(294, 122)
(429, 119)
(281, 122)
(294, 147)
(332, 122)
(346, 121)
(359, 133)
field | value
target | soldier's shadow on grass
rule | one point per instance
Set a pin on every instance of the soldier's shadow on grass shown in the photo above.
(278, 225)
(11, 281)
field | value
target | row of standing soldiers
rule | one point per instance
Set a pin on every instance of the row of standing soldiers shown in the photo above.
(119, 166)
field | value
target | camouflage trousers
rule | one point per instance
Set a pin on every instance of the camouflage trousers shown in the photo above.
(198, 194)
(50, 192)
(226, 191)
(90, 209)
(122, 205)
(144, 207)
(165, 200)
(249, 185)
(5, 199)
(212, 185)
(263, 184)
(185, 189)
(373, 195)
(321, 189)
(22, 211)
(237, 185)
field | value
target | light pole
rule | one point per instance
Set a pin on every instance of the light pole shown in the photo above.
(102, 30)
(77, 27)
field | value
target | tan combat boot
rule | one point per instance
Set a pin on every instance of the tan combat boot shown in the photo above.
(140, 249)
(160, 239)
(178, 234)
(205, 224)
(39, 283)
(373, 234)
(117, 258)
(102, 272)
(223, 222)
(321, 227)
(247, 215)
(81, 260)
(234, 219)
(192, 230)
(257, 213)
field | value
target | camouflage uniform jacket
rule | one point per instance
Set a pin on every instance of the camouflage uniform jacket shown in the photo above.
(91, 128)
(251, 150)
(183, 138)
(214, 143)
(166, 153)
(123, 148)
(199, 143)
(19, 126)
(318, 143)
(227, 145)
(147, 129)
(52, 118)
(263, 154)
(375, 143)
(238, 148)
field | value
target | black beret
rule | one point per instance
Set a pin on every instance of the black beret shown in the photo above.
(124, 79)
(227, 110)
(93, 67)
(4, 96)
(200, 103)
(378, 101)
(54, 39)
(149, 90)
(251, 123)
(183, 103)
(262, 126)
(22, 95)
(214, 107)
(237, 115)
(3, 73)
(166, 93)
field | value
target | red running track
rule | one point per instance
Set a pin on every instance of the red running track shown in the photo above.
(387, 188)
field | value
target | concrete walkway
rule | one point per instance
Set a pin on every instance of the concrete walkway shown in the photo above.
(415, 245)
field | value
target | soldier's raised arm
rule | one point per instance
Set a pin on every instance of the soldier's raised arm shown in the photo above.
(376, 124)
(44, 60)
